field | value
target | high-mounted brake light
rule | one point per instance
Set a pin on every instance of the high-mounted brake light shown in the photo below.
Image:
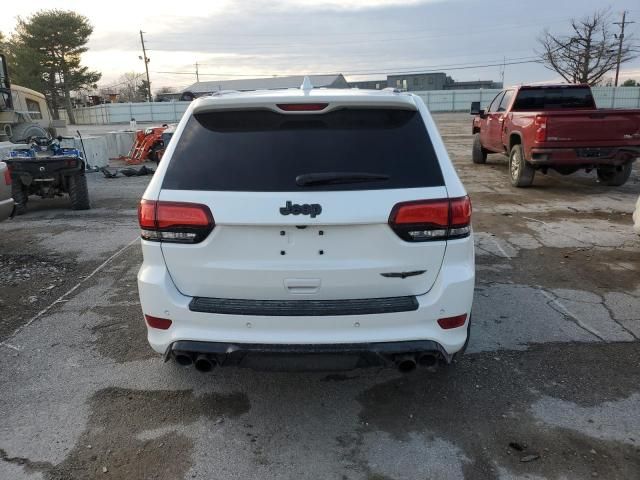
(302, 107)
(7, 177)
(428, 220)
(541, 128)
(176, 222)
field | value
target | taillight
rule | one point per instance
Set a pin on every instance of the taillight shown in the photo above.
(7, 177)
(156, 322)
(176, 222)
(452, 322)
(541, 128)
(427, 220)
(302, 107)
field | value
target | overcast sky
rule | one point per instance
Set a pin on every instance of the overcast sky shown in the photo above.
(231, 39)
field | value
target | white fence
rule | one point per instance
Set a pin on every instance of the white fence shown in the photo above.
(436, 100)
(460, 100)
(114, 113)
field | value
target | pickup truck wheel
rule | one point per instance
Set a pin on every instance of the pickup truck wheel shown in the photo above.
(613, 177)
(478, 154)
(78, 192)
(20, 196)
(520, 171)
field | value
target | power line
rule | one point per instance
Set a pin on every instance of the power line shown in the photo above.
(398, 71)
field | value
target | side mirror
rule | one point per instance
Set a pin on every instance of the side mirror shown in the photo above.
(475, 109)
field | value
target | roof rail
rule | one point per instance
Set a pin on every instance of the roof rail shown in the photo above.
(392, 89)
(223, 92)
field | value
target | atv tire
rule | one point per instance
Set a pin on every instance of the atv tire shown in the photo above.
(78, 192)
(20, 195)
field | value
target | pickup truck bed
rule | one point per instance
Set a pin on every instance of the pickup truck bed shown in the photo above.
(539, 136)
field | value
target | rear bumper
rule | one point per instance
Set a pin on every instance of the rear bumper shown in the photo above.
(451, 295)
(307, 357)
(7, 208)
(583, 157)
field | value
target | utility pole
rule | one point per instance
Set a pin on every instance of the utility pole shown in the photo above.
(620, 41)
(504, 61)
(146, 65)
(197, 75)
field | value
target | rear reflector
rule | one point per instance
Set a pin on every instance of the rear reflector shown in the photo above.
(426, 220)
(302, 107)
(452, 322)
(176, 222)
(7, 177)
(159, 323)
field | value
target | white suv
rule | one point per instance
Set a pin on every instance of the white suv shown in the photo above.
(307, 229)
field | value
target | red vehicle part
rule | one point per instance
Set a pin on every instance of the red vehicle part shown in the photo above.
(557, 127)
(148, 142)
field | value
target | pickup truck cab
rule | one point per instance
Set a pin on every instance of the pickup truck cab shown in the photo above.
(558, 127)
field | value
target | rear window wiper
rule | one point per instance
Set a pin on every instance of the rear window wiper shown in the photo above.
(328, 178)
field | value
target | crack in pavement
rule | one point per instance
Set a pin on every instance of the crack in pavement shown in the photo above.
(26, 463)
(553, 300)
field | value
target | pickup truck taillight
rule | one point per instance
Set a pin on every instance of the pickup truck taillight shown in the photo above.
(541, 128)
(7, 177)
(175, 222)
(429, 220)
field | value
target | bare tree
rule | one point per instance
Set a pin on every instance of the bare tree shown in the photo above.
(588, 52)
(128, 87)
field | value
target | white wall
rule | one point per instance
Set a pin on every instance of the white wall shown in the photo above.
(460, 100)
(436, 100)
(122, 113)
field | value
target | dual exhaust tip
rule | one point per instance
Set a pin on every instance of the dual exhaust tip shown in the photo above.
(408, 362)
(202, 362)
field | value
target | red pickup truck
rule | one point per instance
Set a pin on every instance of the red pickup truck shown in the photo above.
(558, 127)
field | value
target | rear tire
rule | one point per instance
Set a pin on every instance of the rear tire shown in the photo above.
(520, 171)
(20, 196)
(78, 192)
(478, 154)
(613, 177)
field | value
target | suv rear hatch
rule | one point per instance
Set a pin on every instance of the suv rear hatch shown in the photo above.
(302, 202)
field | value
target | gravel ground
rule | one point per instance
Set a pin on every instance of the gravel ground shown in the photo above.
(549, 389)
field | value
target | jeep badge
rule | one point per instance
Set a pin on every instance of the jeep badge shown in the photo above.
(313, 209)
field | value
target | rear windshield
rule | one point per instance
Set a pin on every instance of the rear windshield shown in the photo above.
(550, 98)
(260, 150)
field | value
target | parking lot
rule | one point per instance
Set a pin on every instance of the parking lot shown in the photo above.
(549, 387)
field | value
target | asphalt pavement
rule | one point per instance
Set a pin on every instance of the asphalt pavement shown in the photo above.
(549, 387)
